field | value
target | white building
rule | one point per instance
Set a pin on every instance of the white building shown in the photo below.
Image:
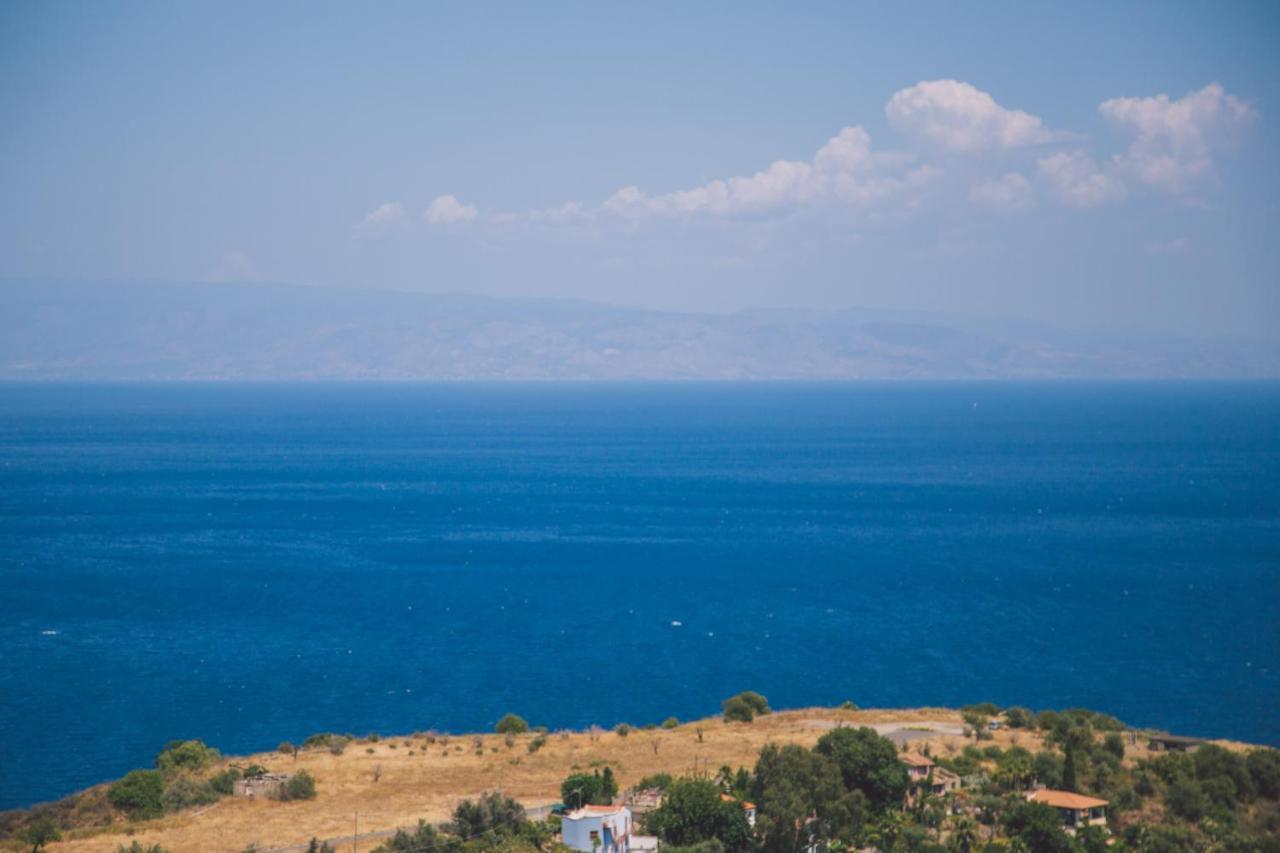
(597, 829)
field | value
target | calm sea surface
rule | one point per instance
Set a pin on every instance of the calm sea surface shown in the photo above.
(249, 564)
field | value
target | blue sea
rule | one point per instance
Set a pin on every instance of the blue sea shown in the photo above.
(254, 563)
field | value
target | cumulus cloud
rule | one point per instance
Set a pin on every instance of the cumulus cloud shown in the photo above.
(385, 214)
(1176, 139)
(447, 210)
(1010, 193)
(1075, 178)
(962, 117)
(845, 169)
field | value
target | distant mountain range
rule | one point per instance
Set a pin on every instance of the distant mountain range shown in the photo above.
(199, 331)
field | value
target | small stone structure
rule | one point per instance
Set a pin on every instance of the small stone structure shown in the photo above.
(262, 785)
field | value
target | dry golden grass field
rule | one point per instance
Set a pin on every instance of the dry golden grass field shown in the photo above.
(420, 780)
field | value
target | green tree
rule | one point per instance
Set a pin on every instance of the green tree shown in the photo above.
(189, 755)
(39, 833)
(1039, 827)
(868, 763)
(301, 786)
(964, 836)
(581, 789)
(693, 812)
(425, 839)
(138, 794)
(1264, 767)
(492, 813)
(791, 784)
(511, 725)
(1074, 736)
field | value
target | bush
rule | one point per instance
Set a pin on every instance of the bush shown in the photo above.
(190, 755)
(744, 706)
(622, 729)
(1114, 744)
(1019, 718)
(491, 813)
(537, 743)
(661, 781)
(1046, 720)
(184, 792)
(1186, 799)
(984, 709)
(138, 794)
(670, 723)
(301, 786)
(737, 710)
(286, 748)
(139, 847)
(224, 783)
(1264, 767)
(511, 725)
(38, 833)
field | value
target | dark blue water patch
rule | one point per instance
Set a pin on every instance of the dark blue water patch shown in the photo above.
(248, 564)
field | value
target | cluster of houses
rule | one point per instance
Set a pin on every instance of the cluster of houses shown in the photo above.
(610, 829)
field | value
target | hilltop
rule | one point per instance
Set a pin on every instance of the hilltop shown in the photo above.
(379, 783)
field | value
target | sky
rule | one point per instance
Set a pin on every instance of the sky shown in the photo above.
(1086, 164)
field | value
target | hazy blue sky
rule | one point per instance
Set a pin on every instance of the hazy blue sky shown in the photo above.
(1083, 163)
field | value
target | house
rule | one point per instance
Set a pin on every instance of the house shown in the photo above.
(918, 766)
(597, 829)
(262, 785)
(748, 808)
(1173, 743)
(1076, 810)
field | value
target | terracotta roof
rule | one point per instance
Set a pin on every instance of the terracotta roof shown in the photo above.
(602, 809)
(915, 760)
(1065, 800)
(745, 805)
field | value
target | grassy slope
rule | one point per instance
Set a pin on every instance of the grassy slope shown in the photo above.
(429, 783)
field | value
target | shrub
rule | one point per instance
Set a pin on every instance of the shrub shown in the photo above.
(537, 743)
(511, 725)
(1046, 720)
(373, 737)
(1019, 718)
(622, 729)
(1114, 744)
(301, 786)
(184, 792)
(224, 783)
(38, 833)
(189, 755)
(661, 781)
(1264, 767)
(1186, 799)
(139, 847)
(138, 794)
(848, 705)
(670, 723)
(985, 709)
(737, 710)
(286, 748)
(491, 813)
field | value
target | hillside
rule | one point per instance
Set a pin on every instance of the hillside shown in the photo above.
(199, 331)
(378, 785)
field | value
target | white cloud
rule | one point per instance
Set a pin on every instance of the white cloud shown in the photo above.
(1176, 139)
(1010, 193)
(1075, 179)
(447, 210)
(845, 169)
(385, 214)
(962, 117)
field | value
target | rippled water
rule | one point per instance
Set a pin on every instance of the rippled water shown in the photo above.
(247, 564)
